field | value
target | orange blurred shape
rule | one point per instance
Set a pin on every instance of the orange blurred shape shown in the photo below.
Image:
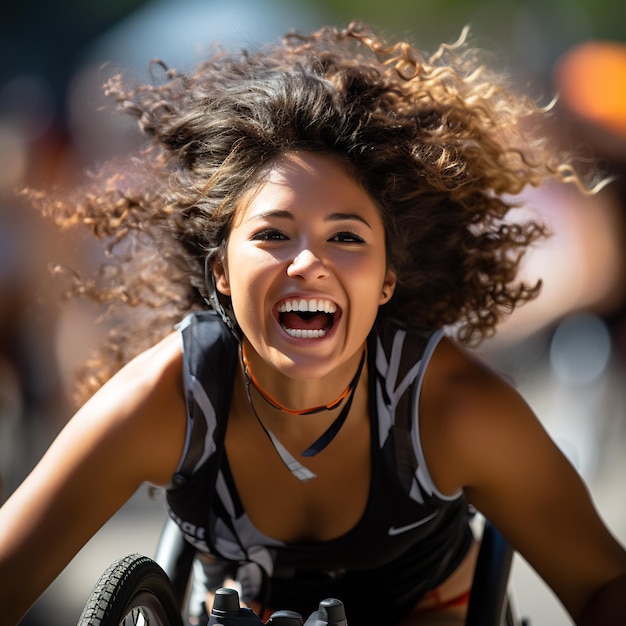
(591, 79)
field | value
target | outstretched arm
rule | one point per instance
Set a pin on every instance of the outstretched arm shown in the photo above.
(606, 606)
(481, 436)
(129, 432)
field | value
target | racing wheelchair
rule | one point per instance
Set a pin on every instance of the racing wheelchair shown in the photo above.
(139, 590)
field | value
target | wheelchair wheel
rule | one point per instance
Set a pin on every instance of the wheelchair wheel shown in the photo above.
(134, 590)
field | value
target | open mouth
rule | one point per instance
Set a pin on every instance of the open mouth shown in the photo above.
(303, 318)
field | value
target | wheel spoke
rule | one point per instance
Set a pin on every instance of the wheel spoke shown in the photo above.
(146, 611)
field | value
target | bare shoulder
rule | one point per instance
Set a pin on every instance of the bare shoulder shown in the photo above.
(145, 399)
(153, 364)
(458, 383)
(466, 408)
(152, 379)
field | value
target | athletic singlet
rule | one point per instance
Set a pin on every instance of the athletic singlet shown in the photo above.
(410, 537)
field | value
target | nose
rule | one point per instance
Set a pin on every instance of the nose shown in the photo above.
(308, 265)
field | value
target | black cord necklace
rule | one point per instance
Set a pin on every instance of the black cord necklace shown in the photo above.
(295, 467)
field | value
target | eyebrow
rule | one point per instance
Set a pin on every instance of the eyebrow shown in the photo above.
(333, 217)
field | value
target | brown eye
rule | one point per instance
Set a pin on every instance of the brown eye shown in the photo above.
(269, 234)
(347, 237)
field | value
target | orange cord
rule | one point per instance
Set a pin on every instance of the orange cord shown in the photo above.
(276, 404)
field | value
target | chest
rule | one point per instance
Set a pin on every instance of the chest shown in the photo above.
(285, 508)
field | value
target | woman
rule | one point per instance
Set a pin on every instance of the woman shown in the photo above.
(340, 204)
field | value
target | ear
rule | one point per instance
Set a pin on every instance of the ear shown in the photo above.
(220, 272)
(389, 286)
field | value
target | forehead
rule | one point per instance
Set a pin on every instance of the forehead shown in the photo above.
(305, 178)
(302, 167)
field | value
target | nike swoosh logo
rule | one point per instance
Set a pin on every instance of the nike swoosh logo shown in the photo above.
(393, 531)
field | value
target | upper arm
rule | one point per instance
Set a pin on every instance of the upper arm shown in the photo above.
(480, 435)
(130, 431)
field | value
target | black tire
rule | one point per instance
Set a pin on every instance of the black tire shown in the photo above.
(132, 587)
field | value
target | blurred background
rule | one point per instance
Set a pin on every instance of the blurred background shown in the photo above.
(566, 351)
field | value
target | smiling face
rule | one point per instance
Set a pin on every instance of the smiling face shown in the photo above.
(306, 267)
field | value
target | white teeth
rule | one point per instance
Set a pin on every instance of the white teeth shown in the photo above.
(304, 334)
(313, 305)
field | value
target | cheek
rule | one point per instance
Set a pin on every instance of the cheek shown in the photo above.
(367, 288)
(249, 278)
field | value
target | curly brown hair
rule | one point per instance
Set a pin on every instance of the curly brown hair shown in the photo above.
(441, 144)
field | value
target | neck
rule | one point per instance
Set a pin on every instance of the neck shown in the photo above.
(294, 397)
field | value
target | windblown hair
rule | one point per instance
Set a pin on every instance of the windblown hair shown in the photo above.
(440, 143)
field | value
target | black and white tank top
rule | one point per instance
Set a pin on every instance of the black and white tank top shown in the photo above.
(410, 537)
